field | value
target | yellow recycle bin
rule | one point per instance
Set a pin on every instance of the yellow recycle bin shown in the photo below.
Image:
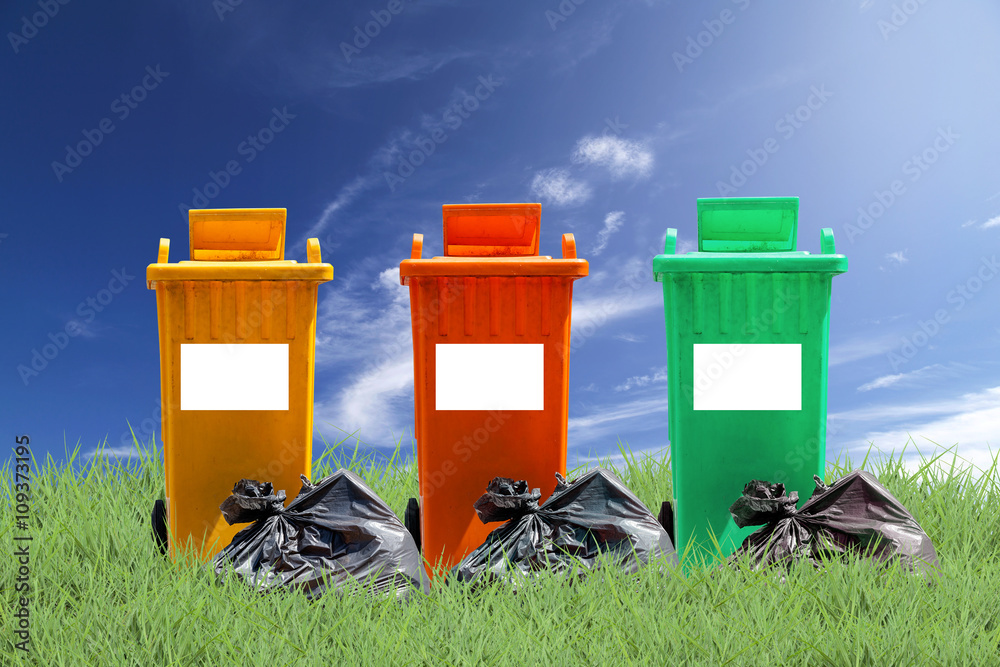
(237, 329)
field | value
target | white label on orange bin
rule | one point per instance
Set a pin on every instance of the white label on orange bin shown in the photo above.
(492, 376)
(740, 376)
(242, 376)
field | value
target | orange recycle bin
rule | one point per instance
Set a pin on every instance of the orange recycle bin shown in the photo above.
(491, 331)
(237, 329)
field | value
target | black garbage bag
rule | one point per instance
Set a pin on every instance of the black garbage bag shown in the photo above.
(855, 515)
(589, 522)
(334, 531)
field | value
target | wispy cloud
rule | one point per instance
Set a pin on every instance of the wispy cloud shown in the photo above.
(622, 157)
(363, 336)
(971, 422)
(558, 188)
(630, 338)
(380, 69)
(611, 296)
(898, 257)
(615, 413)
(992, 222)
(919, 376)
(896, 260)
(862, 347)
(341, 200)
(637, 381)
(612, 223)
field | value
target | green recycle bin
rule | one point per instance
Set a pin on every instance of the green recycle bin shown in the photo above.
(747, 319)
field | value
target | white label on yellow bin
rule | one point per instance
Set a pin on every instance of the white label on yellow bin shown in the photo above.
(740, 376)
(492, 376)
(242, 376)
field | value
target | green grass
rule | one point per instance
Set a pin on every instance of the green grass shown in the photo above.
(102, 595)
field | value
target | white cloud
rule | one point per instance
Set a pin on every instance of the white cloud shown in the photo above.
(880, 382)
(992, 222)
(899, 257)
(921, 375)
(970, 422)
(558, 188)
(120, 452)
(615, 413)
(861, 348)
(629, 338)
(366, 339)
(659, 375)
(621, 157)
(612, 223)
(968, 223)
(344, 198)
(610, 296)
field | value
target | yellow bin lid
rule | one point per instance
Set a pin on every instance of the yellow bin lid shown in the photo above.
(238, 244)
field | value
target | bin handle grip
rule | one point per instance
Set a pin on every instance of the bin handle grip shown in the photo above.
(418, 246)
(826, 242)
(670, 245)
(161, 257)
(313, 254)
(569, 246)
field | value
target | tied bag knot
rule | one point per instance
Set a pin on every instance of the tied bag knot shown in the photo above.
(506, 499)
(763, 503)
(252, 500)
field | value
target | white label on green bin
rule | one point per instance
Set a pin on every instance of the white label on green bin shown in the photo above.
(492, 376)
(241, 376)
(740, 376)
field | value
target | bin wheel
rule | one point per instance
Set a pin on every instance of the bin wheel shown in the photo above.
(159, 520)
(666, 519)
(412, 520)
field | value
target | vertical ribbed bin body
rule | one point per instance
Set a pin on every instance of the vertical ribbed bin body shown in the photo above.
(491, 331)
(747, 324)
(237, 329)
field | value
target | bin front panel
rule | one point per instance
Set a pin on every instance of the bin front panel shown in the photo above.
(715, 452)
(208, 450)
(459, 451)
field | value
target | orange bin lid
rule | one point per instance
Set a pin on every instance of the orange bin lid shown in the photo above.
(492, 240)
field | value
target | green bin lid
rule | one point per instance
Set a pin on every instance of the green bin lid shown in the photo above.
(748, 235)
(747, 224)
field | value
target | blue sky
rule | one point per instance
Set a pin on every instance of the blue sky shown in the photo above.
(616, 116)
